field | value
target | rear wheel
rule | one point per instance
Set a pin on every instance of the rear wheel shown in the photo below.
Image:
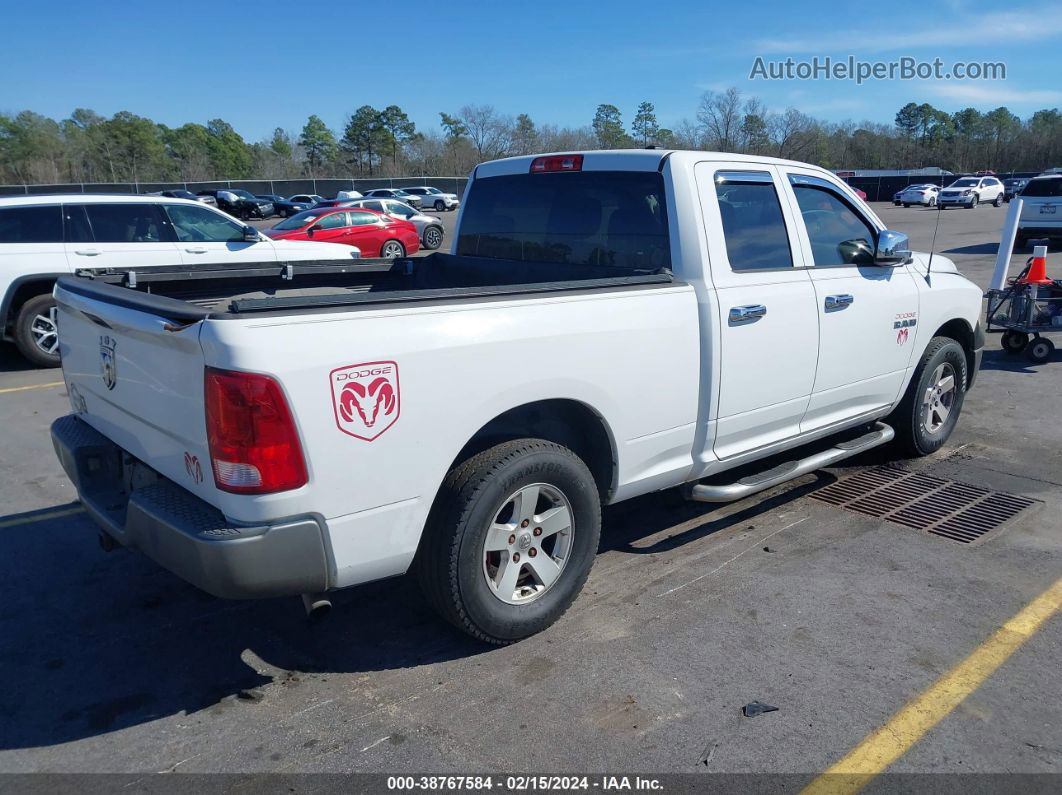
(511, 540)
(905, 204)
(392, 249)
(36, 332)
(928, 412)
(1014, 342)
(998, 201)
(433, 237)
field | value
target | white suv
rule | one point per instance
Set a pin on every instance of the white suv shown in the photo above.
(968, 192)
(44, 237)
(434, 199)
(1041, 208)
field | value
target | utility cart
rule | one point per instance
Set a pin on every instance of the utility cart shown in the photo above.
(1028, 307)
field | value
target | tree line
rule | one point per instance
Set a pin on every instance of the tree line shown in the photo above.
(89, 147)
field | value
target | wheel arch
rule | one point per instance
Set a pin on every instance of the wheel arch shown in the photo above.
(567, 422)
(959, 329)
(21, 290)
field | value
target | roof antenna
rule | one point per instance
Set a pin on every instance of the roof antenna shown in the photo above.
(933, 245)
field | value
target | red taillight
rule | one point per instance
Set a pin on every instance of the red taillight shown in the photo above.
(254, 447)
(557, 163)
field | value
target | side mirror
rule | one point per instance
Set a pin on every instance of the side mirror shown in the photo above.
(893, 249)
(250, 234)
(310, 231)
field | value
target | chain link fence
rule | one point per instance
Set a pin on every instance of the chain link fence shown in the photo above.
(882, 189)
(282, 187)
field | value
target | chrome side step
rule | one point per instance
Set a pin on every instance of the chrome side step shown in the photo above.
(750, 484)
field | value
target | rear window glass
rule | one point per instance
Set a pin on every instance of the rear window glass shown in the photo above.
(1043, 187)
(31, 225)
(603, 218)
(125, 223)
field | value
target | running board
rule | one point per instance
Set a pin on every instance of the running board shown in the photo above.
(750, 484)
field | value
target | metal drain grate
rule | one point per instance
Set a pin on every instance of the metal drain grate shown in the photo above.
(942, 507)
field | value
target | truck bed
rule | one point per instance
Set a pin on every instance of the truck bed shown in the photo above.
(187, 295)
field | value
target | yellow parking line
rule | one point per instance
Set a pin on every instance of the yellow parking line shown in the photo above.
(884, 746)
(41, 517)
(34, 386)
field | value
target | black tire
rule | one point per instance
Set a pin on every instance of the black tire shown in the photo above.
(896, 204)
(1039, 350)
(998, 202)
(433, 237)
(909, 418)
(450, 563)
(973, 202)
(905, 204)
(1020, 242)
(25, 339)
(1014, 342)
(440, 205)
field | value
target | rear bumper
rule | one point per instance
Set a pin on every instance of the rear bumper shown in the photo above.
(181, 532)
(1041, 229)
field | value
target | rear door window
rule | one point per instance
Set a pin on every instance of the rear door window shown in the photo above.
(333, 221)
(599, 218)
(753, 224)
(31, 224)
(76, 222)
(126, 223)
(363, 219)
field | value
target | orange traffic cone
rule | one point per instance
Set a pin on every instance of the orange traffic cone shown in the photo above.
(1038, 268)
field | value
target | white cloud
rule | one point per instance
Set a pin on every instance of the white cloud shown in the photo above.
(992, 93)
(1030, 24)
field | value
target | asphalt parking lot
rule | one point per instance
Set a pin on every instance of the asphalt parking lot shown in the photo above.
(837, 618)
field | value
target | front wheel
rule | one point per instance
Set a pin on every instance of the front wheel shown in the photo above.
(36, 331)
(999, 201)
(973, 202)
(1039, 350)
(440, 205)
(510, 540)
(928, 412)
(392, 249)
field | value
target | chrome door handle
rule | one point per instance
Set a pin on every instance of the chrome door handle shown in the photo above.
(746, 314)
(196, 250)
(835, 302)
(87, 252)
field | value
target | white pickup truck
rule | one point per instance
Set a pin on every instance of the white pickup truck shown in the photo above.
(608, 324)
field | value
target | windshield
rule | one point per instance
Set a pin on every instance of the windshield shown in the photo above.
(299, 220)
(241, 193)
(1043, 187)
(964, 183)
(433, 191)
(616, 219)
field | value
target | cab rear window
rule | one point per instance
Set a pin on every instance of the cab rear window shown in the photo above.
(600, 218)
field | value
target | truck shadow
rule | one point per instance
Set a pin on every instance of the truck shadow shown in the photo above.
(96, 642)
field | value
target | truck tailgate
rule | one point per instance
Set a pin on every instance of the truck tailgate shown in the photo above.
(137, 377)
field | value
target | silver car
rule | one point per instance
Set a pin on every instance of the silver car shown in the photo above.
(918, 194)
(429, 228)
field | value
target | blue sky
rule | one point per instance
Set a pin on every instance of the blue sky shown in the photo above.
(264, 64)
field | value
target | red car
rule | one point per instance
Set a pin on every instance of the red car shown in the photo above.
(376, 234)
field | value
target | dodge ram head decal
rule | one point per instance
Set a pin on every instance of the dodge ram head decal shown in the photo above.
(365, 398)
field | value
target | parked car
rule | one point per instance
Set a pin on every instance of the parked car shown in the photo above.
(985, 173)
(429, 228)
(1013, 186)
(240, 203)
(486, 404)
(925, 194)
(187, 194)
(395, 193)
(348, 194)
(435, 198)
(862, 194)
(375, 234)
(283, 207)
(968, 192)
(1041, 209)
(325, 204)
(42, 237)
(309, 199)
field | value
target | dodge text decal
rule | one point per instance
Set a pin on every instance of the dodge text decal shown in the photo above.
(365, 398)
